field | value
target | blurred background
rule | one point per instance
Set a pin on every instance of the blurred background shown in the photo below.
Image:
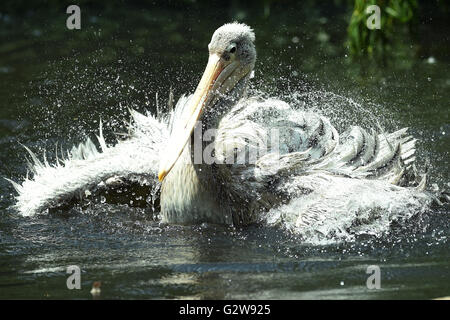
(56, 84)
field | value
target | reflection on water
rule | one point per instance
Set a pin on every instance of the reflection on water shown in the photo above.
(56, 85)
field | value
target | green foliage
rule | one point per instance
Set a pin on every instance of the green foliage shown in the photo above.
(394, 13)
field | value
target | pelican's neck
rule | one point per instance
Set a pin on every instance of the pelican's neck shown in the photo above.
(192, 192)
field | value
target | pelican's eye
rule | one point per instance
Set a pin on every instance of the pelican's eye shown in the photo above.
(229, 52)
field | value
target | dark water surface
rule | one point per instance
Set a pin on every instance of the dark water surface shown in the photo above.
(56, 84)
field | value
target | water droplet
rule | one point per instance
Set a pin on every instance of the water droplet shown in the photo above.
(431, 60)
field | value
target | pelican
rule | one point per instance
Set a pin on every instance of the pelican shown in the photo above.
(295, 167)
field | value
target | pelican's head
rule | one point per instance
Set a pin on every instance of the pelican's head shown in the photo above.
(232, 57)
(233, 49)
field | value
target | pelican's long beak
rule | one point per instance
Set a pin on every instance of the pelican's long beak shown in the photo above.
(216, 72)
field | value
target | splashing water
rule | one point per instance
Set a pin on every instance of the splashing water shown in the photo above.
(341, 210)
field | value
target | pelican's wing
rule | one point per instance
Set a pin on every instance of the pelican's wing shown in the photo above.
(85, 170)
(282, 141)
(328, 207)
(316, 181)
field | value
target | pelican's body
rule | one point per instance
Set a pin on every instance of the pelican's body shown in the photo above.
(311, 165)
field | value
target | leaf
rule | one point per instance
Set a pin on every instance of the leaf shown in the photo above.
(391, 12)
